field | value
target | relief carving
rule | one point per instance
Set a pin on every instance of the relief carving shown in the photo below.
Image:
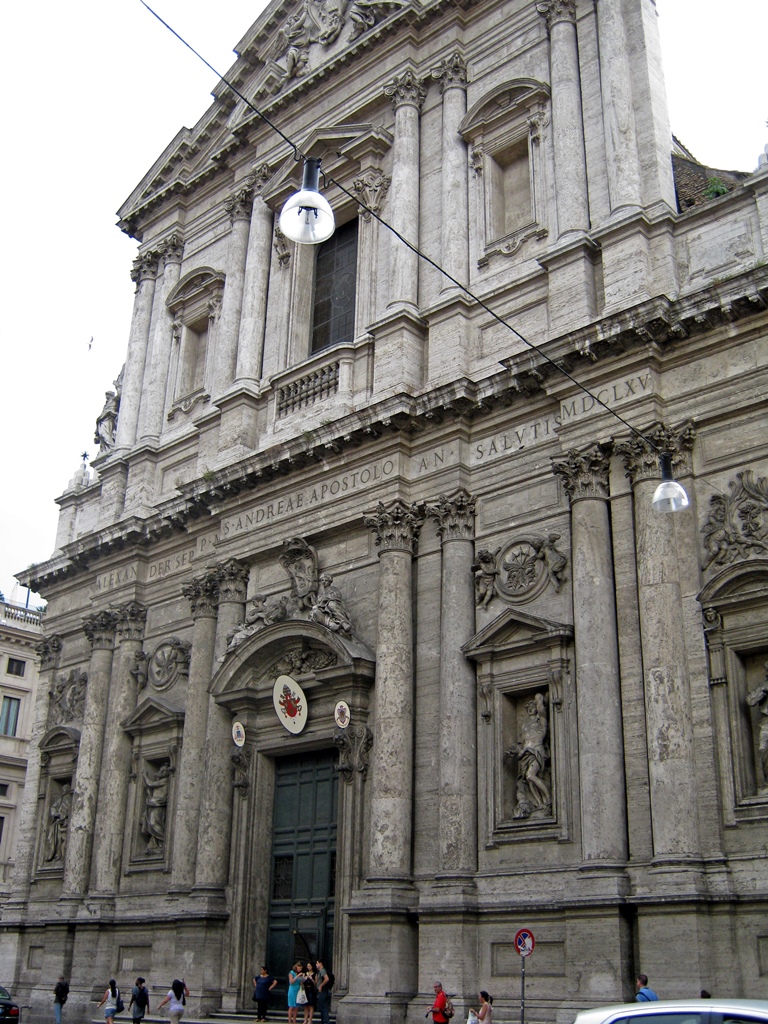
(354, 745)
(299, 560)
(737, 524)
(528, 565)
(169, 663)
(68, 698)
(529, 760)
(302, 659)
(241, 762)
(484, 568)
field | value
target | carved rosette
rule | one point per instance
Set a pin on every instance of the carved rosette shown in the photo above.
(455, 516)
(145, 267)
(131, 619)
(168, 664)
(371, 190)
(737, 523)
(100, 630)
(396, 526)
(240, 204)
(557, 10)
(173, 249)
(641, 460)
(585, 473)
(48, 651)
(203, 594)
(233, 580)
(354, 745)
(451, 73)
(406, 90)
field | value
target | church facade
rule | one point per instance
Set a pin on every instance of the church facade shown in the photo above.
(363, 639)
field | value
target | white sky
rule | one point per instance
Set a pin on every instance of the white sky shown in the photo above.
(94, 90)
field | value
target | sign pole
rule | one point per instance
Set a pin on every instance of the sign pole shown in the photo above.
(522, 990)
(524, 944)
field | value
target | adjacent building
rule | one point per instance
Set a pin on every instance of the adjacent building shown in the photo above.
(21, 630)
(364, 640)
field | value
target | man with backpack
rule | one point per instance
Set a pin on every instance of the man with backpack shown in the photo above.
(442, 1008)
(139, 1004)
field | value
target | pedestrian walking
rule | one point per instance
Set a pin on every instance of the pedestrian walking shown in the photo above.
(111, 1001)
(139, 1004)
(644, 994)
(177, 998)
(60, 993)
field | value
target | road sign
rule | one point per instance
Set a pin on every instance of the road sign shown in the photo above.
(524, 942)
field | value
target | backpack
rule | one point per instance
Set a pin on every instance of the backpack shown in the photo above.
(142, 997)
(448, 1009)
(331, 981)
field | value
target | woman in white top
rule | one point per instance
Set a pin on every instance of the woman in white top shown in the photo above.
(177, 998)
(485, 1013)
(109, 1002)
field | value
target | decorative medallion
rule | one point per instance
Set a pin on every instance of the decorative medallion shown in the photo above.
(169, 663)
(290, 704)
(341, 714)
(526, 566)
(238, 733)
(299, 560)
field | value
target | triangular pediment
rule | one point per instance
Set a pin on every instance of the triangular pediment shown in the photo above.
(515, 631)
(152, 713)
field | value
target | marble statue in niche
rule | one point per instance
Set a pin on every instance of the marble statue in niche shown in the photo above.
(529, 759)
(153, 820)
(58, 823)
(758, 698)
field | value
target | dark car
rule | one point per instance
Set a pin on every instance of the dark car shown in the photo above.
(8, 1009)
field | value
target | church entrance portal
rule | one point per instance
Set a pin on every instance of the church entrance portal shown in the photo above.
(304, 822)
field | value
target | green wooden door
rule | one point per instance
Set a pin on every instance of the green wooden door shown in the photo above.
(301, 912)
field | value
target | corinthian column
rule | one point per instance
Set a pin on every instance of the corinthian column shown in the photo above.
(158, 359)
(49, 652)
(598, 688)
(113, 787)
(203, 594)
(454, 228)
(144, 273)
(100, 630)
(397, 529)
(239, 208)
(250, 346)
(455, 518)
(622, 158)
(407, 94)
(567, 122)
(669, 722)
(212, 867)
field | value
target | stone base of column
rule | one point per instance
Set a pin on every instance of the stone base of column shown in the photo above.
(570, 266)
(454, 934)
(627, 261)
(449, 350)
(401, 339)
(239, 424)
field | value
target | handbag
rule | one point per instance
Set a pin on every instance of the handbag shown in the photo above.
(301, 997)
(119, 1004)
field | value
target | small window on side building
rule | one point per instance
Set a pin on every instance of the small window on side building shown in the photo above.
(9, 716)
(16, 667)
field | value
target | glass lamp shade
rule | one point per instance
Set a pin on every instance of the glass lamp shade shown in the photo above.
(307, 218)
(669, 496)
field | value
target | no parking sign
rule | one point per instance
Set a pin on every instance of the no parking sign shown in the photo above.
(524, 942)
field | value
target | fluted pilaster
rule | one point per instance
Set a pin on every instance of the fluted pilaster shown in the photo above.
(454, 233)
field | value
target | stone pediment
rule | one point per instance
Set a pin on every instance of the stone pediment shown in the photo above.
(152, 714)
(60, 737)
(510, 96)
(514, 632)
(739, 584)
(294, 646)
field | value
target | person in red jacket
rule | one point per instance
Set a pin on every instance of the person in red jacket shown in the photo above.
(438, 1007)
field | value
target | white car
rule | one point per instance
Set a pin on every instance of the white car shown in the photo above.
(680, 1011)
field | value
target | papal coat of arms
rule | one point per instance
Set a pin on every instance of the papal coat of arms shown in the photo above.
(290, 704)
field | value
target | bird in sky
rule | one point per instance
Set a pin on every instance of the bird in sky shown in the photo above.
(90, 343)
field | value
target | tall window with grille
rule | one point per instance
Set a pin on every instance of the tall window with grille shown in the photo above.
(333, 314)
(9, 716)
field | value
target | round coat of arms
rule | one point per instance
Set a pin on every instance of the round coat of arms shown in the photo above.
(238, 733)
(290, 704)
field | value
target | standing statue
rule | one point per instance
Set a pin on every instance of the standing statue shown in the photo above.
(156, 806)
(759, 698)
(106, 422)
(554, 561)
(484, 568)
(329, 608)
(531, 754)
(56, 834)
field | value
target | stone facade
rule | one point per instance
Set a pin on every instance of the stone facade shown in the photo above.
(424, 550)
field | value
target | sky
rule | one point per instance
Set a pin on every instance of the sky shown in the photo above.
(93, 92)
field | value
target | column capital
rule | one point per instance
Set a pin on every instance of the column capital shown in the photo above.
(131, 619)
(396, 526)
(454, 515)
(585, 473)
(145, 267)
(203, 594)
(100, 630)
(240, 203)
(232, 577)
(641, 460)
(173, 249)
(557, 10)
(406, 90)
(371, 188)
(451, 73)
(48, 651)
(259, 177)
